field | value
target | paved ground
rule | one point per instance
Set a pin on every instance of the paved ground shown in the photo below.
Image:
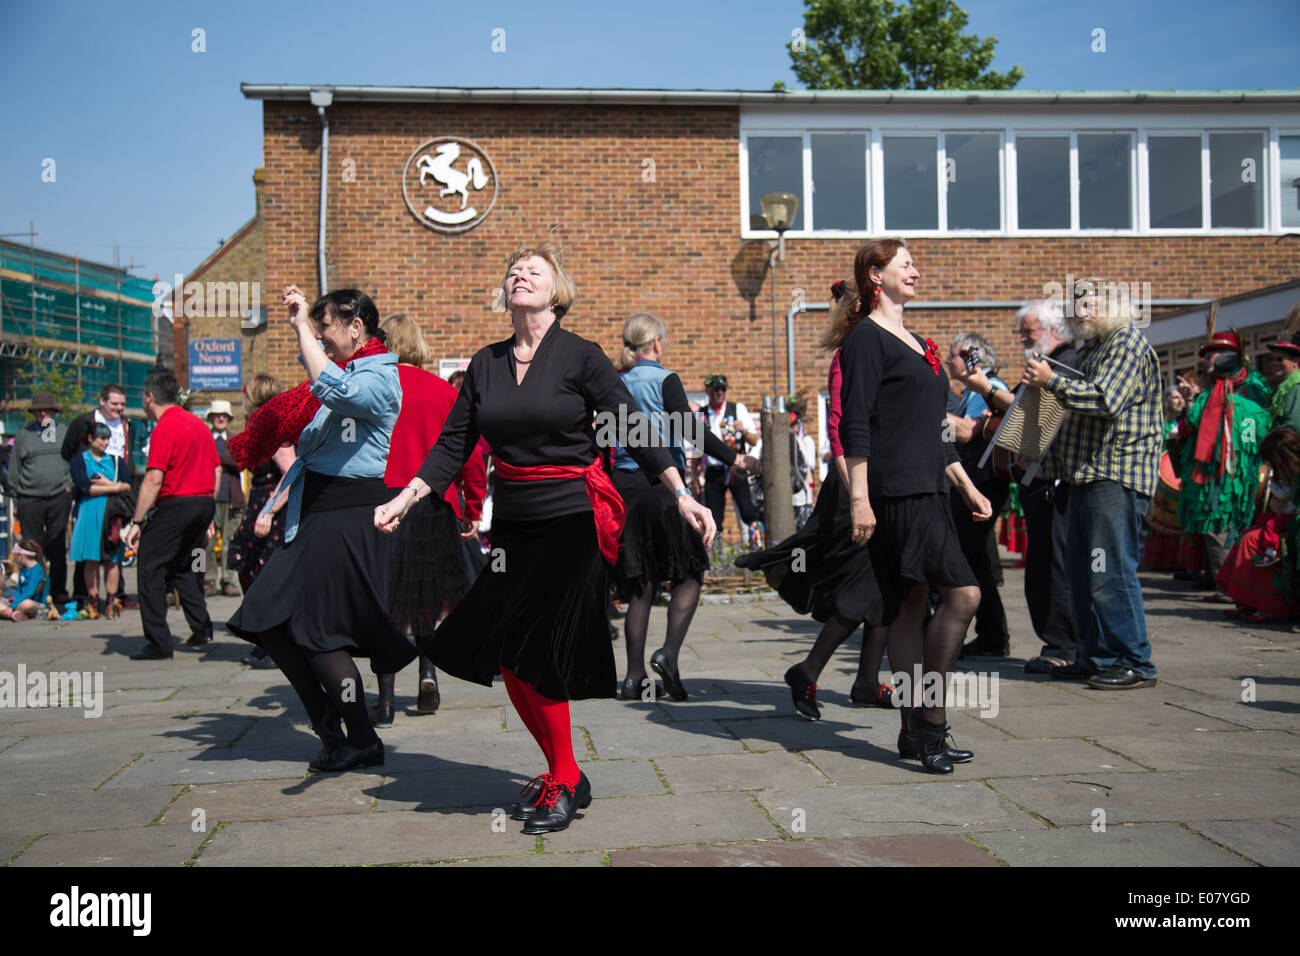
(202, 761)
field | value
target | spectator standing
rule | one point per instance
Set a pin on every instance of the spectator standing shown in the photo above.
(731, 422)
(42, 485)
(172, 516)
(1109, 445)
(97, 475)
(217, 578)
(1284, 403)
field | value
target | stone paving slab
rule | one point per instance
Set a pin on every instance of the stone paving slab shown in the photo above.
(842, 811)
(1267, 842)
(270, 799)
(1205, 751)
(1267, 689)
(1143, 844)
(655, 739)
(1261, 715)
(585, 858)
(738, 772)
(41, 774)
(11, 846)
(206, 766)
(71, 811)
(660, 821)
(1078, 720)
(1245, 794)
(129, 846)
(916, 850)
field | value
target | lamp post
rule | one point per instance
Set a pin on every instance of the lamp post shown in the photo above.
(779, 210)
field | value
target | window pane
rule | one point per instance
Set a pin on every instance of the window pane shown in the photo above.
(1105, 188)
(1174, 182)
(1236, 194)
(974, 187)
(1043, 181)
(775, 166)
(839, 162)
(911, 189)
(1290, 180)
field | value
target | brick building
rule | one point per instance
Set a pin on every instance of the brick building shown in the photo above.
(999, 194)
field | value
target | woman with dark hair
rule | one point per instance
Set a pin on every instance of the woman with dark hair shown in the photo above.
(429, 570)
(894, 398)
(658, 543)
(322, 597)
(537, 614)
(95, 474)
(820, 570)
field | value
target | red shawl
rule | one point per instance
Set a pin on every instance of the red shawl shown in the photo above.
(1214, 437)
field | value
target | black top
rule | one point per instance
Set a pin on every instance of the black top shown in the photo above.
(894, 405)
(545, 420)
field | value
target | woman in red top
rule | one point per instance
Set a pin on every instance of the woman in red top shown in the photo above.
(428, 571)
(537, 614)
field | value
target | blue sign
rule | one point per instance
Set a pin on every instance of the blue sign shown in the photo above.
(215, 364)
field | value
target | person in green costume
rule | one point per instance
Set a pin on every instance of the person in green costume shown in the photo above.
(1284, 403)
(1220, 461)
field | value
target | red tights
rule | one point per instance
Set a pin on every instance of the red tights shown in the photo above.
(548, 721)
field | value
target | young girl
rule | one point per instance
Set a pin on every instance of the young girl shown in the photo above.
(1250, 574)
(33, 583)
(95, 472)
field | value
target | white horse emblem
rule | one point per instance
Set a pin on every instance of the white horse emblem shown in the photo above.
(437, 160)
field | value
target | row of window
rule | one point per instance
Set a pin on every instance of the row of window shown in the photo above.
(995, 182)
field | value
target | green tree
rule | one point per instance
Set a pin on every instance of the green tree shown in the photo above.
(881, 45)
(60, 381)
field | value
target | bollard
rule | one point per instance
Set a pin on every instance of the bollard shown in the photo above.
(777, 493)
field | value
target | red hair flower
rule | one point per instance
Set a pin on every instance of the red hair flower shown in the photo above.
(932, 355)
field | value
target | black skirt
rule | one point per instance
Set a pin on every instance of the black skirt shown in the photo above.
(658, 543)
(819, 570)
(538, 610)
(329, 585)
(428, 566)
(248, 552)
(915, 541)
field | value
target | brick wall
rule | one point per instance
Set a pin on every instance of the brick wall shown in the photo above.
(671, 246)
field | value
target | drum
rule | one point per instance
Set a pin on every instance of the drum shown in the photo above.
(1163, 514)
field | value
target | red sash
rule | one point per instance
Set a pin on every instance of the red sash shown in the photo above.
(606, 503)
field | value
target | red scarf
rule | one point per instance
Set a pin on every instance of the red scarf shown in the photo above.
(281, 420)
(1215, 431)
(606, 503)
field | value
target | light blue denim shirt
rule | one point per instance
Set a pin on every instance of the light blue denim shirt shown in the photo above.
(349, 435)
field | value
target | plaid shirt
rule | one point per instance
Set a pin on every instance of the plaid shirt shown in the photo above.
(1113, 429)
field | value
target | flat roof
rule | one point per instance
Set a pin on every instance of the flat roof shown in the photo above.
(1000, 98)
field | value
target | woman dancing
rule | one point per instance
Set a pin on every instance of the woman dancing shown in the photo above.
(322, 597)
(429, 571)
(537, 614)
(658, 545)
(820, 570)
(894, 398)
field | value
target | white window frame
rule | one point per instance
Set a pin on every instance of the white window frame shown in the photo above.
(1275, 154)
(1265, 155)
(878, 219)
(810, 230)
(1003, 179)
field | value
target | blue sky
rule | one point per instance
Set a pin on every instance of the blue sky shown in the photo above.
(154, 144)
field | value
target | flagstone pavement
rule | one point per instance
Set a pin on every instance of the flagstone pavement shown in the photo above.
(202, 761)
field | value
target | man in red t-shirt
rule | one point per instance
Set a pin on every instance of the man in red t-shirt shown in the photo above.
(179, 480)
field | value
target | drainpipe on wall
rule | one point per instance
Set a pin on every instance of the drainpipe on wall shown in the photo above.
(321, 99)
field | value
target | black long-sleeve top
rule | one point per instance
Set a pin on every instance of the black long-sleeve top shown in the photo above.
(545, 420)
(894, 413)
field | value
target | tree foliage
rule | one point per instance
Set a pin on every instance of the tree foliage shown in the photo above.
(882, 45)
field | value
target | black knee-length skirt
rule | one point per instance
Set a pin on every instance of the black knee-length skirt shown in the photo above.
(915, 541)
(329, 585)
(428, 566)
(658, 543)
(819, 570)
(537, 609)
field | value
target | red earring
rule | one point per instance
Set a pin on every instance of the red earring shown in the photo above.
(875, 295)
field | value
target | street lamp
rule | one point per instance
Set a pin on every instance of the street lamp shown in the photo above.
(779, 210)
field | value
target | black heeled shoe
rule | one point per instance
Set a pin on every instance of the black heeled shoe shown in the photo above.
(668, 671)
(882, 696)
(803, 692)
(347, 757)
(332, 737)
(932, 743)
(533, 790)
(430, 699)
(381, 715)
(909, 748)
(556, 807)
(632, 689)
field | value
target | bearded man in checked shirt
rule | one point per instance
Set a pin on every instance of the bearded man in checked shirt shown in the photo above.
(1109, 445)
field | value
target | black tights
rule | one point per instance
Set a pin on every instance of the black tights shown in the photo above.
(328, 684)
(834, 633)
(933, 650)
(681, 609)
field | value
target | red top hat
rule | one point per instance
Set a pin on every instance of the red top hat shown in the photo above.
(1220, 342)
(1287, 342)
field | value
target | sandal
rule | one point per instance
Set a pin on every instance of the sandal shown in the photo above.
(1044, 665)
(114, 610)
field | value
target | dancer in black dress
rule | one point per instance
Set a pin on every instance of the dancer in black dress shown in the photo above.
(819, 569)
(322, 597)
(658, 545)
(894, 399)
(537, 614)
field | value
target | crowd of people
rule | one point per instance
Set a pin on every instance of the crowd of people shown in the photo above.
(359, 536)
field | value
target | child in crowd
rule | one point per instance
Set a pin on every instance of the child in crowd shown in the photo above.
(33, 583)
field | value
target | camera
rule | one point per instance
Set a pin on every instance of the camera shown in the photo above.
(971, 357)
